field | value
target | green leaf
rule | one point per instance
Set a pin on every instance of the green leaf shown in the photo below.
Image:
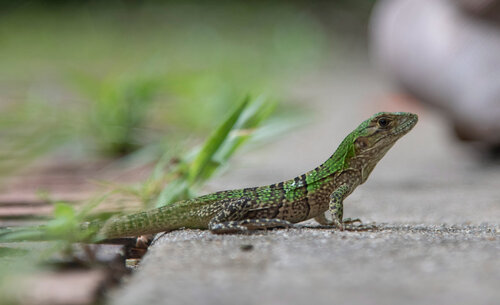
(214, 142)
(17, 234)
(201, 163)
(64, 211)
(6, 251)
(251, 118)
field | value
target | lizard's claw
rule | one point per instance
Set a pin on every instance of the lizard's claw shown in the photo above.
(339, 225)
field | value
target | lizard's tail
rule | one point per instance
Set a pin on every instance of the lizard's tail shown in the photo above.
(127, 225)
(162, 219)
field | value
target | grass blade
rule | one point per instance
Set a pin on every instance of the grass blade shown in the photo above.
(214, 142)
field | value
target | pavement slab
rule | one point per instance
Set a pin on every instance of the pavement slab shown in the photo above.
(396, 264)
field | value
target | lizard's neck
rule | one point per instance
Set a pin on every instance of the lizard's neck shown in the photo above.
(338, 162)
(366, 162)
(346, 158)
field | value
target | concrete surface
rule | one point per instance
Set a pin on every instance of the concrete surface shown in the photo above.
(417, 264)
(437, 207)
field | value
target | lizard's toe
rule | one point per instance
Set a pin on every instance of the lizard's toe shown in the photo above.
(351, 220)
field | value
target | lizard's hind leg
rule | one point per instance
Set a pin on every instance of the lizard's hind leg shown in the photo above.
(231, 219)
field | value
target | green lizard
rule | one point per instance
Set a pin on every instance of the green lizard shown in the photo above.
(282, 204)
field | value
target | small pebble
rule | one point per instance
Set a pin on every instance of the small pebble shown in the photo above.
(246, 247)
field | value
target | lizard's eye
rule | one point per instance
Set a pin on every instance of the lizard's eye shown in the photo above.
(383, 122)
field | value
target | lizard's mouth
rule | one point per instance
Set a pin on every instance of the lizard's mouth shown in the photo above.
(407, 125)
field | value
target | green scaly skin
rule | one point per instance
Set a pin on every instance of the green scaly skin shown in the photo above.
(282, 204)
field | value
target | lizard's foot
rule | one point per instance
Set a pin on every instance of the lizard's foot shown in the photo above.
(347, 224)
(322, 220)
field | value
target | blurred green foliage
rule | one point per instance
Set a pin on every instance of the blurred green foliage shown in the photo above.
(116, 79)
(118, 112)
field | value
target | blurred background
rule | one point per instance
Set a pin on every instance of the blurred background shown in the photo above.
(142, 103)
(89, 90)
(85, 84)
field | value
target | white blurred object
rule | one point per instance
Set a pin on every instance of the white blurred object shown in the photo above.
(445, 53)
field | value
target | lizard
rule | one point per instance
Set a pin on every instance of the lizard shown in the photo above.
(282, 204)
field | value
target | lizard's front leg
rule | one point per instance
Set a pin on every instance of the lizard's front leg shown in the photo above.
(336, 209)
(336, 206)
(231, 219)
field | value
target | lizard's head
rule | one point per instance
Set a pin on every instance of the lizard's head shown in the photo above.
(377, 134)
(366, 145)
